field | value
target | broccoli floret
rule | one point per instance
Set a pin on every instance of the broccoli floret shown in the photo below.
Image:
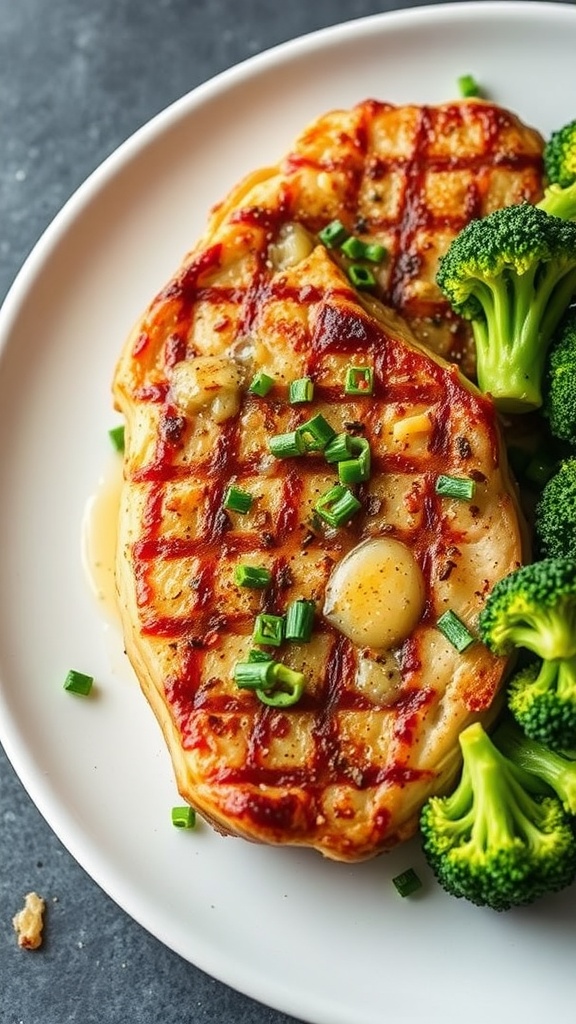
(555, 513)
(495, 841)
(560, 381)
(535, 608)
(556, 771)
(560, 167)
(512, 274)
(542, 699)
(560, 156)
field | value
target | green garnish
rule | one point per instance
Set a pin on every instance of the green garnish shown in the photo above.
(468, 86)
(338, 448)
(316, 433)
(261, 384)
(253, 675)
(78, 682)
(374, 252)
(288, 687)
(455, 487)
(183, 817)
(333, 234)
(286, 446)
(455, 631)
(407, 883)
(361, 277)
(337, 506)
(359, 380)
(255, 654)
(301, 390)
(237, 500)
(356, 470)
(356, 249)
(116, 435)
(274, 683)
(252, 576)
(268, 630)
(300, 620)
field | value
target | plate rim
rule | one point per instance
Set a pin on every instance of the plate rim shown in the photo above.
(24, 764)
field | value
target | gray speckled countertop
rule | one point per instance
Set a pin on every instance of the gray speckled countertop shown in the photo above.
(77, 77)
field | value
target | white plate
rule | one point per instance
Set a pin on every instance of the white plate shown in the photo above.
(325, 942)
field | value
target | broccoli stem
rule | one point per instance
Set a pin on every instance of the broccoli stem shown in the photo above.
(521, 313)
(504, 809)
(544, 764)
(566, 684)
(560, 202)
(547, 632)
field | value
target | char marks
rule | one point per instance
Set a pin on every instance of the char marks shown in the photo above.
(347, 769)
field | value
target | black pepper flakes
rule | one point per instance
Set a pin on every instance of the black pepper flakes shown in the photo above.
(463, 447)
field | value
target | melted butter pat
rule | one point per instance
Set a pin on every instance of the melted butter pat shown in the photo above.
(207, 384)
(375, 595)
(292, 245)
(99, 534)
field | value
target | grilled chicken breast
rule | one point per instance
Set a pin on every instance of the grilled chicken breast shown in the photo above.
(410, 177)
(347, 767)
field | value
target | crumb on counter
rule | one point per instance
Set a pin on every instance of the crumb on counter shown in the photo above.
(28, 922)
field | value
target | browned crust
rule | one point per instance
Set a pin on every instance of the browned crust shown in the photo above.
(340, 773)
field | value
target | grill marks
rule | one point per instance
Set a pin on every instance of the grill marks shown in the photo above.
(402, 378)
(413, 177)
(425, 162)
(338, 743)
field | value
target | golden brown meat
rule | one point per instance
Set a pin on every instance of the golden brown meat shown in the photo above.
(346, 769)
(411, 177)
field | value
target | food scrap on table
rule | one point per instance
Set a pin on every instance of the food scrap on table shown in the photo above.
(28, 922)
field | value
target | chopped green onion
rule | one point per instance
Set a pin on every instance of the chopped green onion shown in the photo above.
(455, 487)
(361, 277)
(238, 500)
(337, 505)
(261, 384)
(374, 252)
(286, 446)
(300, 620)
(338, 448)
(316, 433)
(359, 380)
(78, 682)
(354, 247)
(333, 234)
(275, 684)
(253, 675)
(407, 883)
(468, 86)
(252, 576)
(352, 472)
(287, 689)
(301, 390)
(254, 654)
(268, 630)
(455, 631)
(357, 470)
(183, 817)
(116, 435)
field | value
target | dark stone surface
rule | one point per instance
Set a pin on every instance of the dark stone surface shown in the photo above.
(77, 77)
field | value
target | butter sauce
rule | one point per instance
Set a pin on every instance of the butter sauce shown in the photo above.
(376, 594)
(99, 534)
